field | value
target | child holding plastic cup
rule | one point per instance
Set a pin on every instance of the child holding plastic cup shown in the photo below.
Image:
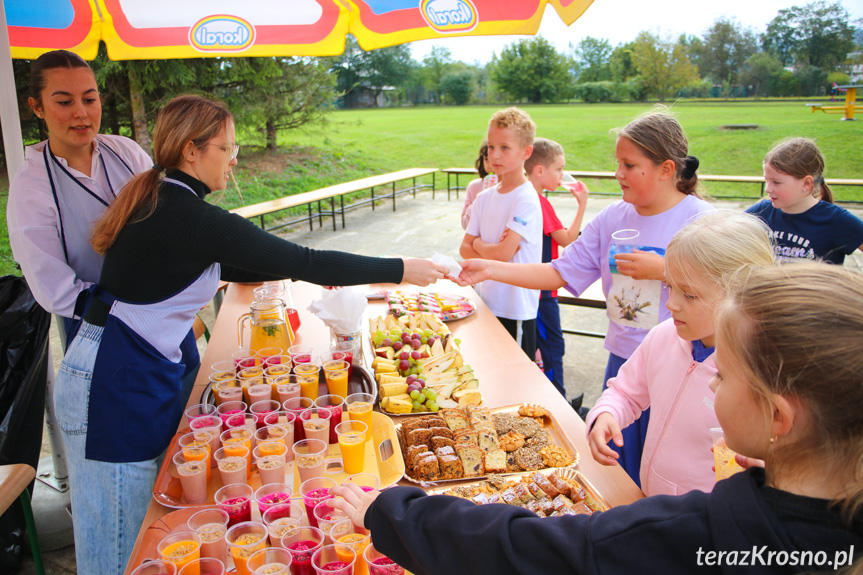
(192, 465)
(236, 501)
(211, 526)
(180, 548)
(352, 444)
(302, 544)
(244, 539)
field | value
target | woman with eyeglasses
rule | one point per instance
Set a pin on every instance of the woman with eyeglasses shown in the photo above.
(166, 248)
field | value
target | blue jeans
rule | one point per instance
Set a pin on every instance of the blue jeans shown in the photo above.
(109, 500)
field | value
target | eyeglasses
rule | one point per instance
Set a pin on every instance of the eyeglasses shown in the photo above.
(235, 149)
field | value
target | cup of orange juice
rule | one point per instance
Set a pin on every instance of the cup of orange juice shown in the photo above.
(309, 378)
(180, 548)
(346, 533)
(352, 444)
(336, 375)
(359, 407)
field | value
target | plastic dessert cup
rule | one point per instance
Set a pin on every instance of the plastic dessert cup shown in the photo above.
(310, 456)
(180, 548)
(224, 375)
(192, 465)
(270, 458)
(276, 432)
(211, 424)
(244, 539)
(235, 437)
(316, 423)
(278, 370)
(282, 519)
(233, 464)
(346, 533)
(336, 376)
(245, 357)
(347, 348)
(380, 564)
(359, 406)
(302, 544)
(198, 410)
(309, 378)
(285, 420)
(352, 444)
(301, 354)
(326, 516)
(157, 567)
(272, 494)
(211, 526)
(228, 409)
(334, 403)
(313, 491)
(270, 561)
(236, 501)
(365, 481)
(228, 390)
(280, 359)
(261, 408)
(723, 457)
(190, 441)
(296, 406)
(204, 566)
(251, 372)
(287, 387)
(258, 393)
(334, 560)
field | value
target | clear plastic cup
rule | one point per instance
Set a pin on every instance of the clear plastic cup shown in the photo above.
(244, 539)
(302, 545)
(316, 423)
(180, 548)
(365, 481)
(201, 439)
(224, 365)
(245, 357)
(336, 376)
(346, 533)
(237, 436)
(273, 494)
(262, 408)
(723, 457)
(287, 387)
(335, 404)
(282, 359)
(270, 561)
(359, 407)
(380, 564)
(257, 392)
(281, 520)
(228, 409)
(334, 560)
(270, 458)
(236, 501)
(192, 465)
(309, 379)
(310, 457)
(228, 390)
(279, 369)
(156, 567)
(266, 353)
(326, 516)
(282, 419)
(349, 348)
(233, 464)
(211, 526)
(313, 491)
(204, 566)
(211, 424)
(296, 406)
(352, 444)
(301, 354)
(198, 410)
(278, 433)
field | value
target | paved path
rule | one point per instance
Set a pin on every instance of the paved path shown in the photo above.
(420, 227)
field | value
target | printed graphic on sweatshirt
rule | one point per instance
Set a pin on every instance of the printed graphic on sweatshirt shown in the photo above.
(631, 302)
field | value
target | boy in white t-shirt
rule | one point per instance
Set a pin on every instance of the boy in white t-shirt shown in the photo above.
(506, 224)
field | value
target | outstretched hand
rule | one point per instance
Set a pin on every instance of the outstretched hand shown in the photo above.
(354, 501)
(422, 272)
(605, 428)
(474, 271)
(641, 265)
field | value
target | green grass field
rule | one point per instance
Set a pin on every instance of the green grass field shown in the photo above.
(359, 143)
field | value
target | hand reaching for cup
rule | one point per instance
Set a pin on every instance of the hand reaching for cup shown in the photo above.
(353, 501)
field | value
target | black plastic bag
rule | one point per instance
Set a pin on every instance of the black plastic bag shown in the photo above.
(24, 327)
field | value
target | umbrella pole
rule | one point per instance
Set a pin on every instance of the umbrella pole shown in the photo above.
(9, 118)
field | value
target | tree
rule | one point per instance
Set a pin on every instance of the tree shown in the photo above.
(726, 46)
(758, 73)
(621, 64)
(663, 65)
(531, 70)
(817, 34)
(458, 86)
(376, 69)
(435, 67)
(592, 57)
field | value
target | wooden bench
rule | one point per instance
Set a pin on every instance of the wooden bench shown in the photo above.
(610, 176)
(313, 199)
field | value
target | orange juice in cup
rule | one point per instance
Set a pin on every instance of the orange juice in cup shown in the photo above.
(180, 548)
(351, 537)
(352, 444)
(336, 375)
(360, 409)
(238, 436)
(308, 373)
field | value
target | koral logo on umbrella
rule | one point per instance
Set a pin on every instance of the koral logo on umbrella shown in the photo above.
(221, 33)
(448, 16)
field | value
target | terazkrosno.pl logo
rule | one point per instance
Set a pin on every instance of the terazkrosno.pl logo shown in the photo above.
(221, 33)
(449, 16)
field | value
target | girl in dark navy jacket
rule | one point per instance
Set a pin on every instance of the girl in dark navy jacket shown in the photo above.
(118, 391)
(788, 392)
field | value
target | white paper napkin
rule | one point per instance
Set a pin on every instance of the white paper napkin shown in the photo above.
(340, 309)
(453, 267)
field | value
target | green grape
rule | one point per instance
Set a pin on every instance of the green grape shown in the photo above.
(457, 341)
(431, 405)
(428, 333)
(415, 394)
(424, 407)
(430, 393)
(419, 368)
(417, 406)
(424, 339)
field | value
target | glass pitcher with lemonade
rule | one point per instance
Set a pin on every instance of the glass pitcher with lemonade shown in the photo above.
(269, 326)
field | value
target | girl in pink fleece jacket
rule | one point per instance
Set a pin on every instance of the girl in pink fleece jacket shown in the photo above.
(671, 369)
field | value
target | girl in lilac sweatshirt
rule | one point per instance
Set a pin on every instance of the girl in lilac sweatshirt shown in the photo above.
(671, 369)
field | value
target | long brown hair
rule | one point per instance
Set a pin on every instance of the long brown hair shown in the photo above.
(796, 330)
(800, 157)
(660, 136)
(184, 119)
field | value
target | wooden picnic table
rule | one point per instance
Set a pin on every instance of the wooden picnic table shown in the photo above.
(505, 373)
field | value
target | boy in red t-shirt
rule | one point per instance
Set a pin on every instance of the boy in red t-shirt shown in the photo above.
(545, 172)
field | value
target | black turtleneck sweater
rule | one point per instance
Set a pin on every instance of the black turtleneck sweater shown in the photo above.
(156, 257)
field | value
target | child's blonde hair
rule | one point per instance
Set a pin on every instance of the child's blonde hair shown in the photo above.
(800, 157)
(660, 136)
(518, 120)
(797, 330)
(717, 244)
(544, 153)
